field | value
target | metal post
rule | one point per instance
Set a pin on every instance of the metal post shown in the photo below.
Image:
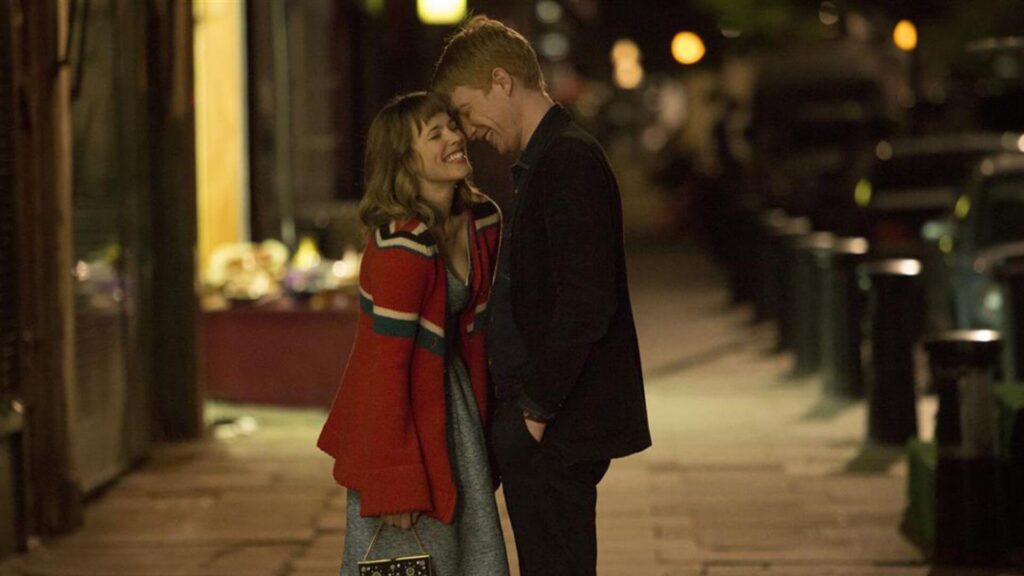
(1011, 274)
(895, 314)
(785, 238)
(767, 301)
(968, 517)
(807, 327)
(841, 309)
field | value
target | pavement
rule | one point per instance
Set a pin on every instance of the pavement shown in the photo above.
(751, 473)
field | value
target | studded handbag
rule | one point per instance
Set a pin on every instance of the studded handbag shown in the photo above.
(417, 565)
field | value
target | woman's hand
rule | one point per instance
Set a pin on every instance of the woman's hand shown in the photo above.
(403, 520)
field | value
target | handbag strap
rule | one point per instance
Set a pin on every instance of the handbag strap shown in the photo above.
(376, 534)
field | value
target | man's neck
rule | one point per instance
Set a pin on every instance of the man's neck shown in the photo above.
(535, 106)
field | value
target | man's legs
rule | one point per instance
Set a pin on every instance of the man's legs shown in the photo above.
(551, 505)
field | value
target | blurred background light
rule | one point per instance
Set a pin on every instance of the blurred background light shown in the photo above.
(963, 207)
(441, 12)
(904, 35)
(828, 13)
(374, 7)
(988, 168)
(883, 151)
(549, 12)
(862, 193)
(629, 74)
(655, 138)
(625, 50)
(687, 48)
(554, 46)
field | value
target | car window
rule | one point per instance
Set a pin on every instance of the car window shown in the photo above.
(924, 171)
(1001, 211)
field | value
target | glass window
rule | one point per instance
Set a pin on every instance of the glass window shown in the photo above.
(1001, 211)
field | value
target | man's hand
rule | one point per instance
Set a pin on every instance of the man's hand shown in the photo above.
(535, 428)
(404, 520)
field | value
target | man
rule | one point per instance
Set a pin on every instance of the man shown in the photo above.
(562, 346)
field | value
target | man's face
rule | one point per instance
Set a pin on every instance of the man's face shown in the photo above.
(489, 116)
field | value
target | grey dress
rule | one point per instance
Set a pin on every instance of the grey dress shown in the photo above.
(472, 545)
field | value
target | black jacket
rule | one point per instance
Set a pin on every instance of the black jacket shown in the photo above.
(570, 299)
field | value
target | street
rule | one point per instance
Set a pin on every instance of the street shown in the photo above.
(751, 472)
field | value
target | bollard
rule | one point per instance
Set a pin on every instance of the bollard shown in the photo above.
(785, 238)
(969, 524)
(841, 309)
(766, 301)
(895, 313)
(1011, 275)
(807, 309)
(745, 237)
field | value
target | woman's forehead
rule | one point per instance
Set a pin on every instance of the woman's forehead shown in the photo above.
(438, 119)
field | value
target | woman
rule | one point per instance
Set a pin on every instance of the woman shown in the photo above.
(407, 426)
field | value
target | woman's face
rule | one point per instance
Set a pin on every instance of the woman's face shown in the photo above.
(441, 148)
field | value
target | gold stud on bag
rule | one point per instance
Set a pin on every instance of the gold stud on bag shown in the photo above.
(419, 565)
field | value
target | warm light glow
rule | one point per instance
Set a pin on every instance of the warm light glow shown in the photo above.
(904, 35)
(625, 50)
(687, 48)
(306, 257)
(221, 113)
(444, 12)
(629, 75)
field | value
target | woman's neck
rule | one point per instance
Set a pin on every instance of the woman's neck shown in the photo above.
(440, 199)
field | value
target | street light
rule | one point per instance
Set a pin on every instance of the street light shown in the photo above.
(687, 48)
(904, 35)
(442, 12)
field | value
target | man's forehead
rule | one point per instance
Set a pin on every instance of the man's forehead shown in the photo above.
(463, 95)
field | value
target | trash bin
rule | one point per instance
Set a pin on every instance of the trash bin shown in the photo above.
(969, 521)
(842, 305)
(785, 238)
(895, 315)
(807, 309)
(1011, 275)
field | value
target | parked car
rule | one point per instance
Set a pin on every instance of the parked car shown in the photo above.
(985, 227)
(913, 181)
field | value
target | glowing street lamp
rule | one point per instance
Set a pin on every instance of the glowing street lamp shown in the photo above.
(442, 12)
(904, 35)
(687, 48)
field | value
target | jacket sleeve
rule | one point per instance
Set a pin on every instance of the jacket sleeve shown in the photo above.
(577, 211)
(395, 478)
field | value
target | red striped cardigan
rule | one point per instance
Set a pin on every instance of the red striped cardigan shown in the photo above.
(387, 426)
